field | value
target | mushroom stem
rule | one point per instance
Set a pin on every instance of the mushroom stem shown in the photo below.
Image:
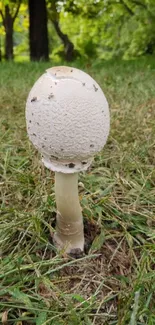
(69, 221)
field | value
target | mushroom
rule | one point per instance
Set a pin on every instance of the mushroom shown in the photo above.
(68, 121)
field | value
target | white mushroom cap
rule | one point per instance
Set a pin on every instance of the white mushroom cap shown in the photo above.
(67, 119)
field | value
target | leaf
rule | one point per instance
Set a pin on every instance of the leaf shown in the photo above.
(17, 294)
(41, 319)
(97, 242)
(80, 299)
(5, 317)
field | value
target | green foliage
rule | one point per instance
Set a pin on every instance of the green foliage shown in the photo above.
(21, 26)
(116, 28)
(104, 29)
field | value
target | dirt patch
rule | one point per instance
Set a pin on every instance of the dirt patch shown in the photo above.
(99, 276)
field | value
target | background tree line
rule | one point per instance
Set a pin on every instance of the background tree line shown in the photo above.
(69, 28)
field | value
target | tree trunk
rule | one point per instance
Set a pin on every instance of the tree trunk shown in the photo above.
(9, 43)
(38, 30)
(9, 34)
(68, 45)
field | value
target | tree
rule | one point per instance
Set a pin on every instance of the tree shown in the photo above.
(38, 33)
(9, 13)
(54, 15)
(143, 41)
(81, 21)
(137, 32)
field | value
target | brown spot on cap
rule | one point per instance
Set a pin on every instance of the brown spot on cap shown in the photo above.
(71, 165)
(50, 96)
(95, 88)
(34, 99)
(54, 157)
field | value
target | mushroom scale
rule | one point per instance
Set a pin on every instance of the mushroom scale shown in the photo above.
(67, 118)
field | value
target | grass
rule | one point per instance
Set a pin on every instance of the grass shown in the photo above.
(115, 282)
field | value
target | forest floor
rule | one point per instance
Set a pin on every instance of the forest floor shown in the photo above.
(114, 282)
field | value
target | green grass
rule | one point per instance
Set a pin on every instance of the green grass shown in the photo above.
(115, 282)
